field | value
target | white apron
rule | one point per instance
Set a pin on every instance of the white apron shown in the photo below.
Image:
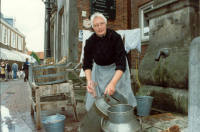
(102, 75)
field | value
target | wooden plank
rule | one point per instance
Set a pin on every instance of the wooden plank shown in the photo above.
(73, 101)
(53, 104)
(52, 98)
(32, 106)
(54, 89)
(38, 109)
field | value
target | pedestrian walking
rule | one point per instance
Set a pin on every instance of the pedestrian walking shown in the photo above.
(25, 68)
(2, 71)
(15, 69)
(7, 70)
(105, 62)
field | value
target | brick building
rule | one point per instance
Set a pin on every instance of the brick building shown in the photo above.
(67, 19)
(129, 15)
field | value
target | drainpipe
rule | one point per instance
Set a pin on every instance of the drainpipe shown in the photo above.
(129, 24)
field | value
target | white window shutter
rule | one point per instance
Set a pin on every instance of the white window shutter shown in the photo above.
(16, 41)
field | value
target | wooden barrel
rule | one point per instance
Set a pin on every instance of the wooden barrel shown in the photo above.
(49, 74)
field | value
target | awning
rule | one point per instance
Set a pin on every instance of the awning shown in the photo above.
(6, 54)
(24, 56)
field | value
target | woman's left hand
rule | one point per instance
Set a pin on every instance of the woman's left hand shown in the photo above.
(110, 89)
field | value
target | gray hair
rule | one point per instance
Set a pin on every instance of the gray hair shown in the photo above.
(95, 15)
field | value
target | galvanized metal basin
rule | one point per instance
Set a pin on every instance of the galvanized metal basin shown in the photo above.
(120, 119)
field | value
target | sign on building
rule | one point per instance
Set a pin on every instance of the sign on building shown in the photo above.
(106, 7)
(86, 23)
(80, 35)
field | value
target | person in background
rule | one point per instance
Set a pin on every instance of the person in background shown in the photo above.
(105, 62)
(2, 70)
(15, 69)
(7, 70)
(25, 68)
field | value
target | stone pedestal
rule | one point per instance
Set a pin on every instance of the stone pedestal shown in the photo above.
(194, 87)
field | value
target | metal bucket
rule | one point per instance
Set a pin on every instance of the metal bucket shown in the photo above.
(49, 74)
(143, 105)
(92, 121)
(120, 119)
(55, 123)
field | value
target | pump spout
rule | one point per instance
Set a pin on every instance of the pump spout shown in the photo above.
(164, 53)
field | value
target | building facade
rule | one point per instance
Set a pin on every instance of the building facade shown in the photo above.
(11, 37)
(12, 41)
(67, 20)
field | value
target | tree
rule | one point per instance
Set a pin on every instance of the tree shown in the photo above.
(35, 56)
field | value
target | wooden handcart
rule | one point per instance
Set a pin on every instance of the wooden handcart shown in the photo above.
(51, 94)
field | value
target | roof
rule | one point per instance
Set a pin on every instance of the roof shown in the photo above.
(39, 54)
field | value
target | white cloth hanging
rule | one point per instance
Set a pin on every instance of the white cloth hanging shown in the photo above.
(121, 33)
(132, 40)
(86, 35)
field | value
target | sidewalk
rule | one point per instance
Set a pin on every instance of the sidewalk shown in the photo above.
(16, 105)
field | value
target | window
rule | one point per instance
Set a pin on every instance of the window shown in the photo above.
(9, 37)
(16, 41)
(1, 37)
(5, 35)
(19, 43)
(143, 22)
(63, 24)
(13, 40)
(22, 44)
(62, 36)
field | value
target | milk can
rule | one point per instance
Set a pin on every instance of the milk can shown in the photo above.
(120, 119)
(92, 121)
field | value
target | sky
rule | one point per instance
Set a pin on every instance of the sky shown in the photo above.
(29, 16)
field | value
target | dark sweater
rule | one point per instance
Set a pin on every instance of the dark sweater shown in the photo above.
(105, 51)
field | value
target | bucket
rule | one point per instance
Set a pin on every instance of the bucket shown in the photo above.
(143, 105)
(55, 123)
(49, 74)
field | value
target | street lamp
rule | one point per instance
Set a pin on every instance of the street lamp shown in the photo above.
(48, 4)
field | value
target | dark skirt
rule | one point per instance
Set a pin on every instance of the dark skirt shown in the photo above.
(2, 75)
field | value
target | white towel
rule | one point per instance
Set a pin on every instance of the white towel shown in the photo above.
(121, 33)
(86, 35)
(132, 40)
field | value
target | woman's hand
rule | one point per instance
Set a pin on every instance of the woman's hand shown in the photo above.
(89, 87)
(110, 89)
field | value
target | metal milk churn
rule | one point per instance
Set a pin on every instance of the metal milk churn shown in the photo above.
(92, 121)
(120, 119)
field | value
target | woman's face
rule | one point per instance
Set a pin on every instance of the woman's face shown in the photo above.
(99, 26)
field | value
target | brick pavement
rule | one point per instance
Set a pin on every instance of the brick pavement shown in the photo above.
(17, 99)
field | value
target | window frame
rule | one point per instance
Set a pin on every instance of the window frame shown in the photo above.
(141, 20)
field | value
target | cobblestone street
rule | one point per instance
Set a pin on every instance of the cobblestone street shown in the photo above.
(16, 106)
(16, 115)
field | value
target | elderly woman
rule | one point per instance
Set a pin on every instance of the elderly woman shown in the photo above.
(2, 70)
(105, 62)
